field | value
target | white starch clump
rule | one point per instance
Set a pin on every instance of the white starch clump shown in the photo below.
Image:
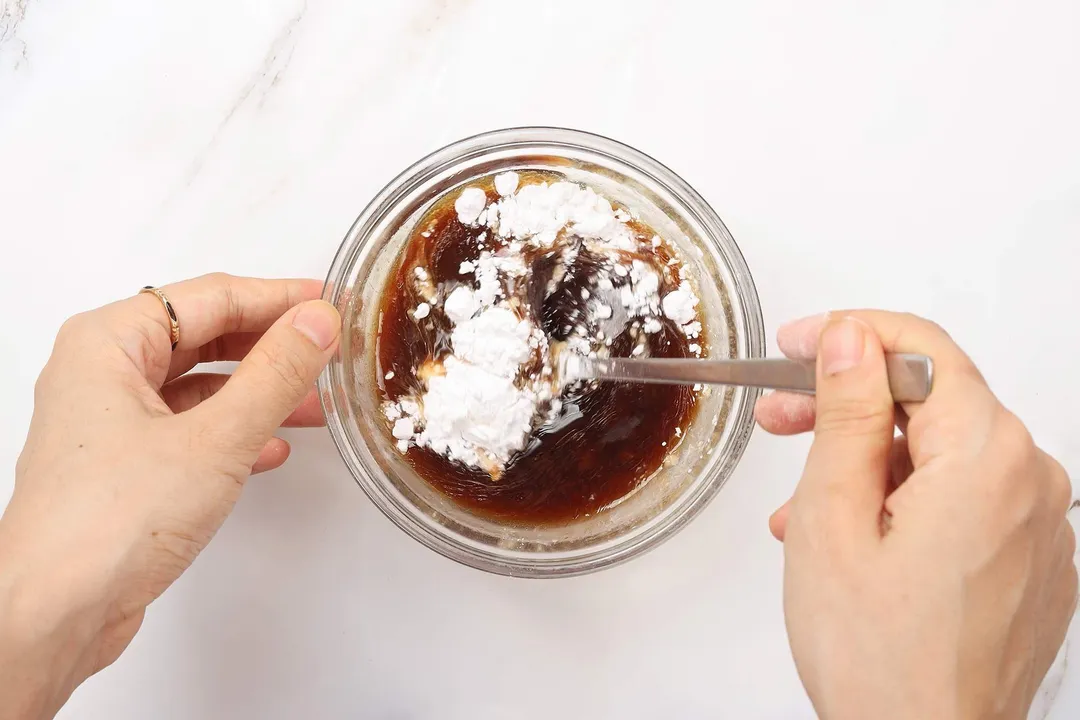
(495, 340)
(506, 183)
(461, 305)
(476, 417)
(469, 205)
(540, 212)
(679, 304)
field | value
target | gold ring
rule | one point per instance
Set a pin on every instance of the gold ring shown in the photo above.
(174, 324)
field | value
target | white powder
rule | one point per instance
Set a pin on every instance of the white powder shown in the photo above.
(540, 212)
(476, 417)
(495, 340)
(473, 411)
(422, 311)
(679, 304)
(487, 273)
(404, 429)
(461, 305)
(506, 183)
(639, 296)
(470, 204)
(466, 267)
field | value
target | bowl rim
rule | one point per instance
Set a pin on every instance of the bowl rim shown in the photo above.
(501, 560)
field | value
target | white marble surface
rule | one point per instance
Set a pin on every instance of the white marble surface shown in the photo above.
(920, 156)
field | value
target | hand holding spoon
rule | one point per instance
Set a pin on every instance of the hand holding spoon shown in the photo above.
(910, 376)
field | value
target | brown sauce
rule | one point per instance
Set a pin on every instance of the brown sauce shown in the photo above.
(611, 436)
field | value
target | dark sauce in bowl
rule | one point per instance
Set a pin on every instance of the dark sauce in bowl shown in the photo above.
(610, 437)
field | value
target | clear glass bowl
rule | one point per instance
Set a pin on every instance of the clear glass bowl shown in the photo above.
(691, 474)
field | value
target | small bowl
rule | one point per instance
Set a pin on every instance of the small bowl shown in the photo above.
(691, 474)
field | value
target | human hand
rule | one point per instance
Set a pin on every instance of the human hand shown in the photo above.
(132, 464)
(926, 576)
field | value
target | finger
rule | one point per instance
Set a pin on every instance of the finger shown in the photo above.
(276, 376)
(785, 413)
(308, 413)
(900, 465)
(790, 413)
(206, 307)
(899, 469)
(188, 391)
(798, 339)
(231, 347)
(901, 418)
(778, 521)
(843, 487)
(898, 332)
(958, 411)
(273, 455)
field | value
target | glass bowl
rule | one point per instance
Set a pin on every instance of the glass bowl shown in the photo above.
(690, 475)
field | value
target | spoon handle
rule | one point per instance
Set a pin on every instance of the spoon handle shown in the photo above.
(910, 376)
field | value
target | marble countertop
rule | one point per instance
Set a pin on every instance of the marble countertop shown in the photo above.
(919, 156)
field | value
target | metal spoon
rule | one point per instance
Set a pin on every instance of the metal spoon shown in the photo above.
(910, 376)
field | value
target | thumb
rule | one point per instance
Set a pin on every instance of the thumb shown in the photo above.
(270, 383)
(844, 484)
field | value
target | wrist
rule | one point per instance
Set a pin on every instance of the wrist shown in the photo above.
(48, 628)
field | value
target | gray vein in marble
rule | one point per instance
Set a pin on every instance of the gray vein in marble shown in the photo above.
(260, 85)
(426, 20)
(12, 13)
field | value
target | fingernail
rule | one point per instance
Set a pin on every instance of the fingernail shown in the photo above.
(843, 345)
(319, 322)
(798, 339)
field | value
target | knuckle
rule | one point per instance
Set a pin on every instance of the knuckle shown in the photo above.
(1060, 488)
(219, 278)
(931, 325)
(911, 327)
(234, 307)
(74, 328)
(229, 297)
(1013, 468)
(1015, 441)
